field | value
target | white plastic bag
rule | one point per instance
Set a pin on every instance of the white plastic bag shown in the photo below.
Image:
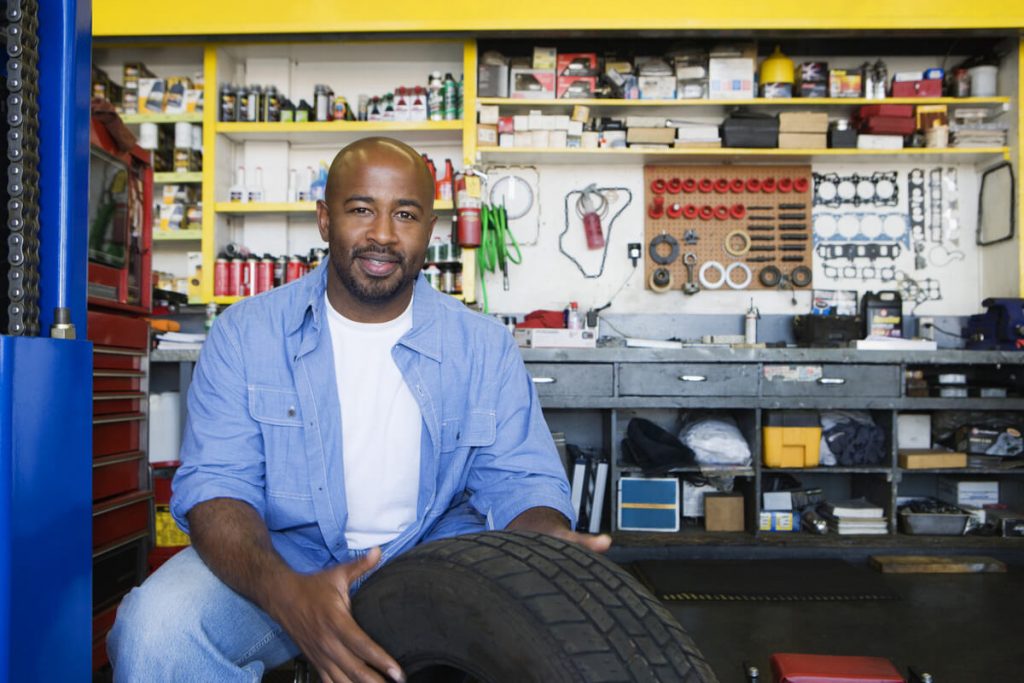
(716, 440)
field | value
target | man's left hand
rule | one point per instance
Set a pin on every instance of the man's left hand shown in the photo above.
(551, 522)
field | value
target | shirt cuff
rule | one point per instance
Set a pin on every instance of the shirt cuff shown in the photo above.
(183, 501)
(500, 516)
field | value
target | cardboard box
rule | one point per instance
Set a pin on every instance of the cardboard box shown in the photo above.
(898, 110)
(843, 83)
(492, 80)
(813, 72)
(488, 113)
(778, 521)
(532, 84)
(657, 87)
(577, 64)
(610, 139)
(576, 87)
(803, 122)
(811, 90)
(914, 431)
(506, 124)
(803, 140)
(912, 459)
(662, 136)
(723, 512)
(731, 78)
(506, 140)
(487, 135)
(971, 492)
(988, 440)
(693, 498)
(555, 338)
(545, 58)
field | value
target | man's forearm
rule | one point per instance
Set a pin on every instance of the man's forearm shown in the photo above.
(540, 519)
(233, 541)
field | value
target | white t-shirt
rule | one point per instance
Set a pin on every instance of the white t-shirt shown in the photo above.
(380, 429)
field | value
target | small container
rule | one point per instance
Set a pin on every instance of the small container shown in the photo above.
(961, 85)
(792, 438)
(933, 524)
(983, 80)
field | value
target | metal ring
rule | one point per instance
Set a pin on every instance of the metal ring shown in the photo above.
(702, 275)
(800, 276)
(742, 250)
(659, 275)
(656, 242)
(770, 276)
(746, 271)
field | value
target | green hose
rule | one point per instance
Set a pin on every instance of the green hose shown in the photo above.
(498, 247)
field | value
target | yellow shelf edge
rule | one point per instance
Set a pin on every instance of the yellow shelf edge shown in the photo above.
(227, 299)
(758, 101)
(745, 151)
(336, 126)
(177, 235)
(291, 207)
(190, 117)
(170, 178)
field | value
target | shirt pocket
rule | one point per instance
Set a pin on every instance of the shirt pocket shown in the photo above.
(289, 501)
(478, 428)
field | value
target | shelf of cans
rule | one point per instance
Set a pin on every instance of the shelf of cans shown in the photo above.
(443, 267)
(237, 273)
(439, 100)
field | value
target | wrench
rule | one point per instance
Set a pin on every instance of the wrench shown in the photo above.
(690, 260)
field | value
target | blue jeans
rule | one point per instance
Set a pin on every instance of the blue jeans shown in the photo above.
(183, 624)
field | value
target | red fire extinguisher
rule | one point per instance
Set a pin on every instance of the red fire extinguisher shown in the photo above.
(467, 211)
(590, 205)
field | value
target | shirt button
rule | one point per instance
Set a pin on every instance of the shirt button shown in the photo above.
(291, 411)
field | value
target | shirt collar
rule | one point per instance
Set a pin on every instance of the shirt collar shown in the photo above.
(425, 335)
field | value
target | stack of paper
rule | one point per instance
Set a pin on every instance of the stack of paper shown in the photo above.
(181, 341)
(855, 517)
(697, 135)
(978, 135)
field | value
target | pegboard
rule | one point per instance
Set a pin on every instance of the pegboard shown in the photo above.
(769, 204)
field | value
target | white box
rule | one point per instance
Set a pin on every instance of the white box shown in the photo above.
(554, 338)
(970, 492)
(612, 139)
(590, 139)
(524, 139)
(914, 431)
(489, 113)
(521, 123)
(536, 120)
(693, 498)
(506, 139)
(575, 128)
(541, 138)
(657, 87)
(558, 139)
(731, 78)
(646, 121)
(777, 500)
(561, 122)
(867, 141)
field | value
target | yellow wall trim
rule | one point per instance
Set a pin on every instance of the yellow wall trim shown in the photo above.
(257, 17)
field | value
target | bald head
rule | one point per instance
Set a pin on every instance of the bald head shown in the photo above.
(373, 151)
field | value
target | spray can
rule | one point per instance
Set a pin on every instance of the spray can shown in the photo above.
(750, 324)
(220, 277)
(435, 97)
(462, 89)
(264, 280)
(322, 104)
(228, 108)
(280, 266)
(294, 270)
(271, 105)
(451, 98)
(234, 276)
(252, 103)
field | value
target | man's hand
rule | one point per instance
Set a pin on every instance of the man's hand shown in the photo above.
(315, 610)
(551, 522)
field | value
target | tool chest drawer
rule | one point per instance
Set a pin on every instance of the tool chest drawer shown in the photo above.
(687, 379)
(830, 380)
(571, 379)
(119, 518)
(116, 571)
(118, 433)
(109, 329)
(116, 474)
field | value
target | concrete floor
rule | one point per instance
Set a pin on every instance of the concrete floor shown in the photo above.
(961, 628)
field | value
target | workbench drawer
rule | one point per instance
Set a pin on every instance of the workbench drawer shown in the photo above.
(120, 518)
(687, 379)
(571, 379)
(825, 380)
(118, 433)
(116, 474)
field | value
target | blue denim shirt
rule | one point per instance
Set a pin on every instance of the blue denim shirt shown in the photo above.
(264, 424)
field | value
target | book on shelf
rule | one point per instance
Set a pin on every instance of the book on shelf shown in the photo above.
(846, 527)
(857, 508)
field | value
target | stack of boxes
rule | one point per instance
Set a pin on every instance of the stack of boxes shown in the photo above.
(534, 129)
(803, 130)
(883, 126)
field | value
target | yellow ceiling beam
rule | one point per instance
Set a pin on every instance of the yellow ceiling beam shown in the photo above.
(256, 17)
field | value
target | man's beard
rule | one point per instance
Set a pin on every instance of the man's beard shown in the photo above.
(367, 289)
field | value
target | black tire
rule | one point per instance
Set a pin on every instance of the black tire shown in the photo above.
(505, 607)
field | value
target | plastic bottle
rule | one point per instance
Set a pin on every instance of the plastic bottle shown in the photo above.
(293, 188)
(304, 189)
(574, 321)
(318, 187)
(211, 315)
(388, 111)
(435, 97)
(443, 186)
(238, 192)
(303, 112)
(462, 89)
(374, 113)
(256, 189)
(401, 105)
(418, 107)
(451, 98)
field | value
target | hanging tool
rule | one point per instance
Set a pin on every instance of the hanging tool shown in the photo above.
(497, 246)
(591, 205)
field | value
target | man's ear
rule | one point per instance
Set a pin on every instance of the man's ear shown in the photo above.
(323, 220)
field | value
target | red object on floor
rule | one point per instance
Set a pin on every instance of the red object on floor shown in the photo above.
(542, 318)
(799, 668)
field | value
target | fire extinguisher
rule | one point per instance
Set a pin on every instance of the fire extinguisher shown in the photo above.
(467, 209)
(590, 205)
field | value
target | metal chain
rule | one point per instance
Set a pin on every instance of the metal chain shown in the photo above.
(21, 117)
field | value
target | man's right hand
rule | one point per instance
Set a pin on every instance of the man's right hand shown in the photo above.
(315, 610)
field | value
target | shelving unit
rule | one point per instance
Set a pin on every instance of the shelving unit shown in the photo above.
(177, 235)
(172, 178)
(190, 117)
(1001, 102)
(238, 208)
(513, 155)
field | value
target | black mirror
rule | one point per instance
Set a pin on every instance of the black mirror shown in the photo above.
(996, 201)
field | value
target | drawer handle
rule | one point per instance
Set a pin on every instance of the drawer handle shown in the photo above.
(544, 380)
(693, 378)
(831, 380)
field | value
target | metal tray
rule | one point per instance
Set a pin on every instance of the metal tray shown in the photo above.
(933, 524)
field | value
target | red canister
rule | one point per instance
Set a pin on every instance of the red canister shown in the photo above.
(264, 280)
(234, 276)
(295, 269)
(220, 277)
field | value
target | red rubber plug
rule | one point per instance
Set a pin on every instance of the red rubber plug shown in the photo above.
(721, 212)
(689, 185)
(706, 213)
(674, 211)
(801, 185)
(674, 186)
(722, 185)
(737, 211)
(705, 185)
(658, 186)
(656, 211)
(768, 185)
(785, 185)
(736, 185)
(753, 185)
(690, 211)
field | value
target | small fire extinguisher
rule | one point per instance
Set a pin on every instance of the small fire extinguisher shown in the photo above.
(467, 208)
(590, 205)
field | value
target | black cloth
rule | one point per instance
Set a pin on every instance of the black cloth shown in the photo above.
(654, 449)
(856, 443)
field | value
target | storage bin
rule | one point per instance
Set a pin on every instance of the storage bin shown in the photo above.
(791, 438)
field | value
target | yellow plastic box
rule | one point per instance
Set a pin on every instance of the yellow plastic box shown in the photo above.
(791, 438)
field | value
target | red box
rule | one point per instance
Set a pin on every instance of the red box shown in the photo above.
(576, 64)
(576, 87)
(506, 124)
(797, 668)
(929, 88)
(902, 110)
(888, 125)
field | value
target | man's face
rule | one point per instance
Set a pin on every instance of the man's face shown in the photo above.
(377, 225)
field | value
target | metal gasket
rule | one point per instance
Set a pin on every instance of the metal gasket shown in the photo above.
(878, 189)
(861, 227)
(21, 115)
(915, 189)
(870, 251)
(657, 241)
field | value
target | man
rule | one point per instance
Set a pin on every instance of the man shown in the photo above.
(333, 424)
